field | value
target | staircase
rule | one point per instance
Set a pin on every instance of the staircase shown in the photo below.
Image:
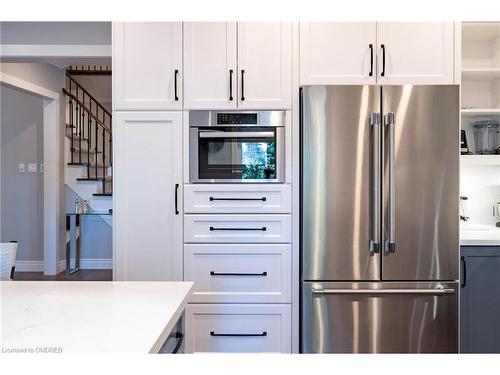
(89, 146)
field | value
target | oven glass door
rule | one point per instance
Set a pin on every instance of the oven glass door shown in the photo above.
(237, 153)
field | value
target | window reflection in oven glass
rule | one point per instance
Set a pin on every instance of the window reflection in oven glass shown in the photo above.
(237, 158)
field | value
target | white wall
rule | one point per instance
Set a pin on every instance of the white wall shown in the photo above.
(481, 184)
(21, 193)
(51, 78)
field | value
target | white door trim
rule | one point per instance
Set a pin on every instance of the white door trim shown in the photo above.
(51, 162)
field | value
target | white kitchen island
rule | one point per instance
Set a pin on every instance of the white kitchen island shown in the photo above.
(107, 316)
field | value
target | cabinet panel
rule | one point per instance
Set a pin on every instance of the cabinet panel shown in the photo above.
(238, 328)
(334, 53)
(209, 58)
(146, 56)
(147, 163)
(238, 273)
(480, 300)
(415, 52)
(264, 65)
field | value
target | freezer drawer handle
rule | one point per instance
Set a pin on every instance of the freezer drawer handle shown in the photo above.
(214, 229)
(384, 291)
(212, 273)
(263, 199)
(212, 333)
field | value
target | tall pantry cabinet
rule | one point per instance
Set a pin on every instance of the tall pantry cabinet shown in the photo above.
(147, 154)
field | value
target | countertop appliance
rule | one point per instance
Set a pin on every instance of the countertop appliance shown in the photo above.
(236, 146)
(379, 227)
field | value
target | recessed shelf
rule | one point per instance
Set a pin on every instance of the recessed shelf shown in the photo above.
(479, 160)
(480, 112)
(480, 30)
(482, 74)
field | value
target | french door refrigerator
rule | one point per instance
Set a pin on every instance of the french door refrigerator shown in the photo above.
(379, 219)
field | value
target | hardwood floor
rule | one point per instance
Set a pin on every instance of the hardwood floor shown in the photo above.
(82, 275)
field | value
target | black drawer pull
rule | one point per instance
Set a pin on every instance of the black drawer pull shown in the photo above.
(463, 284)
(263, 229)
(212, 273)
(230, 84)
(212, 333)
(263, 199)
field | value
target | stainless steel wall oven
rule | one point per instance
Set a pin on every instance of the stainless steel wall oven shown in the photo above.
(236, 146)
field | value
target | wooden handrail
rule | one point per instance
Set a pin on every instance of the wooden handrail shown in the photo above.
(89, 112)
(88, 94)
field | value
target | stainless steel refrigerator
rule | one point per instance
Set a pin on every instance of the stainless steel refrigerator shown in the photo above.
(379, 219)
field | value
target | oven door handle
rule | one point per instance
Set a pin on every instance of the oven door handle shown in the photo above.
(219, 134)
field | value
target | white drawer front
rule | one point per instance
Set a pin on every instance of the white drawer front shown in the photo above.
(233, 198)
(237, 228)
(238, 328)
(238, 272)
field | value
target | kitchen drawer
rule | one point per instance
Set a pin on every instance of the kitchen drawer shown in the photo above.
(238, 273)
(269, 228)
(237, 198)
(238, 328)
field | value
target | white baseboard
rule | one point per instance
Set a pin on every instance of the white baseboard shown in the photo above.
(29, 266)
(85, 264)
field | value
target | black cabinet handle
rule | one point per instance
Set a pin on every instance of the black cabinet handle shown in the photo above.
(464, 273)
(176, 98)
(371, 60)
(263, 199)
(230, 84)
(212, 333)
(212, 273)
(214, 229)
(382, 74)
(176, 193)
(242, 85)
(180, 338)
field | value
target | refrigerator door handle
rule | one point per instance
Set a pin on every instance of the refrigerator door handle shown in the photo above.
(390, 242)
(436, 291)
(373, 245)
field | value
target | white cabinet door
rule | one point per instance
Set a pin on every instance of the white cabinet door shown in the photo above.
(415, 52)
(333, 53)
(264, 65)
(147, 65)
(147, 195)
(210, 78)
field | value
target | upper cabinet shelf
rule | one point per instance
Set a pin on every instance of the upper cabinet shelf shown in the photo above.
(481, 74)
(480, 112)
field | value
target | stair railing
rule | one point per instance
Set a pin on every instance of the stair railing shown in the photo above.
(90, 126)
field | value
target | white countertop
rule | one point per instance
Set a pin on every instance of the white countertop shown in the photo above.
(478, 234)
(90, 316)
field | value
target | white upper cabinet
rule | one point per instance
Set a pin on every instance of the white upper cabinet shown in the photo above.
(147, 65)
(147, 196)
(264, 65)
(415, 53)
(333, 53)
(210, 71)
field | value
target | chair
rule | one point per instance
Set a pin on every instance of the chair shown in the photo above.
(8, 252)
